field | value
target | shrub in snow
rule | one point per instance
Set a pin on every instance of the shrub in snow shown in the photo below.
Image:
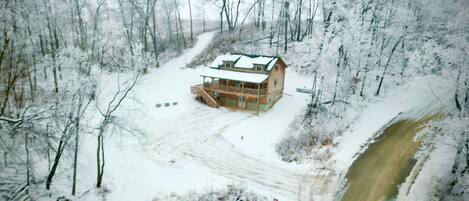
(305, 137)
(229, 193)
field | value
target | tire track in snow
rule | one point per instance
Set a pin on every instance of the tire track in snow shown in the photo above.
(201, 139)
(225, 160)
(190, 130)
(228, 162)
(318, 182)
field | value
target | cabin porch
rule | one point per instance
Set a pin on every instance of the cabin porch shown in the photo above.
(233, 94)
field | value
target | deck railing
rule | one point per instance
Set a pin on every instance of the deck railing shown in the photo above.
(233, 89)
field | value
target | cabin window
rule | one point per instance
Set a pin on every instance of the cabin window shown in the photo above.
(259, 68)
(227, 64)
(276, 67)
(275, 83)
(241, 99)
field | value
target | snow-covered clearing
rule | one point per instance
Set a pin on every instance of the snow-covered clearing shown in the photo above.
(191, 147)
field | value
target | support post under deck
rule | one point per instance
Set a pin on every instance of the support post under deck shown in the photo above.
(258, 97)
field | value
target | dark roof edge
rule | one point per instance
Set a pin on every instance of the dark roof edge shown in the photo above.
(253, 55)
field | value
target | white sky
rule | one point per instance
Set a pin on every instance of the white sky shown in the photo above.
(212, 12)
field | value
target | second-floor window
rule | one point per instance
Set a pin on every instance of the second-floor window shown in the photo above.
(259, 68)
(227, 64)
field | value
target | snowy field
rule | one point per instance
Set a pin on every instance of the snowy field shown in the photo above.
(205, 147)
(191, 147)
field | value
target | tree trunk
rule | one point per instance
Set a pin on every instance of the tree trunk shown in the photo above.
(221, 16)
(75, 160)
(58, 154)
(466, 99)
(56, 84)
(456, 93)
(26, 148)
(286, 26)
(272, 24)
(363, 84)
(387, 64)
(190, 17)
(455, 167)
(299, 21)
(75, 151)
(203, 16)
(336, 85)
(327, 22)
(100, 159)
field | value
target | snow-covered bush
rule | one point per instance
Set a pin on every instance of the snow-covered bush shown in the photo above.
(229, 193)
(303, 138)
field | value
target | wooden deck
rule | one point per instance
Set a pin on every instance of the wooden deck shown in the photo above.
(232, 90)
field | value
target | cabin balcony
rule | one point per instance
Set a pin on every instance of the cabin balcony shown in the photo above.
(214, 88)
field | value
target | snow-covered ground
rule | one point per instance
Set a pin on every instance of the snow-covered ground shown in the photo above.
(191, 147)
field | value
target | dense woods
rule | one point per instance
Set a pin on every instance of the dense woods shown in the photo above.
(53, 54)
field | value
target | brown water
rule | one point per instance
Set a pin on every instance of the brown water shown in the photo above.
(377, 173)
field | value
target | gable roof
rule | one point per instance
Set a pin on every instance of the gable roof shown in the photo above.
(235, 75)
(249, 62)
(220, 59)
(272, 63)
(246, 61)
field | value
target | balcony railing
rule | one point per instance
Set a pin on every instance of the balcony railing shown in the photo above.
(213, 87)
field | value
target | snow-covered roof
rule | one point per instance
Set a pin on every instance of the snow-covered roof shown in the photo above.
(271, 64)
(249, 62)
(227, 57)
(245, 61)
(234, 75)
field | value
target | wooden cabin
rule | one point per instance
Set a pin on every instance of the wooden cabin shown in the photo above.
(249, 82)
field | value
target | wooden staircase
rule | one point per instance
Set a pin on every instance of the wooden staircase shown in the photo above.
(200, 92)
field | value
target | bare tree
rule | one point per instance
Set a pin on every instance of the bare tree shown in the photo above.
(231, 14)
(107, 119)
(387, 64)
(298, 28)
(190, 17)
(65, 135)
(286, 18)
(67, 114)
(81, 109)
